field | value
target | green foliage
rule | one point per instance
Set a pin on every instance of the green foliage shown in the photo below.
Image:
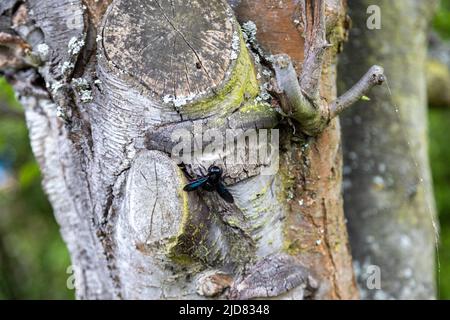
(439, 122)
(7, 95)
(442, 19)
(33, 257)
(440, 159)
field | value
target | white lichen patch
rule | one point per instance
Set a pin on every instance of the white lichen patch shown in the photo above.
(264, 95)
(235, 45)
(67, 67)
(56, 86)
(267, 73)
(230, 13)
(270, 59)
(178, 102)
(43, 51)
(86, 96)
(60, 113)
(236, 41)
(250, 30)
(75, 45)
(83, 88)
(80, 83)
(167, 98)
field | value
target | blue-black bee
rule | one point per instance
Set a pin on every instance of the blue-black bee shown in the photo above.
(211, 182)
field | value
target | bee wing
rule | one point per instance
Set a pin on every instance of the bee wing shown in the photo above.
(194, 185)
(224, 193)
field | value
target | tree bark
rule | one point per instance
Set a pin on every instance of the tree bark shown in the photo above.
(107, 84)
(388, 191)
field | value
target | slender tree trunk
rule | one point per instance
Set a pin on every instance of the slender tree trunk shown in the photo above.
(106, 87)
(388, 192)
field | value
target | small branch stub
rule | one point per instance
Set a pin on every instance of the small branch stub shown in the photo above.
(375, 76)
(300, 97)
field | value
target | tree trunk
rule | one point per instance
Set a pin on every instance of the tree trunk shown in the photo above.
(388, 192)
(110, 88)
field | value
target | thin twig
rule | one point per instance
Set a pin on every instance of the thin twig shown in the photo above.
(375, 76)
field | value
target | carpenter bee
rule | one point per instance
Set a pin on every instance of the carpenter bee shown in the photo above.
(211, 182)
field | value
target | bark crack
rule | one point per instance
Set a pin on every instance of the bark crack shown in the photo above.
(183, 37)
(329, 249)
(156, 200)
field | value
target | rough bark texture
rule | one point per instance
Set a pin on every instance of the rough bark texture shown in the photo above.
(106, 84)
(310, 167)
(387, 187)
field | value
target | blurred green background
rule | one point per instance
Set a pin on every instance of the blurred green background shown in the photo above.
(33, 258)
(439, 122)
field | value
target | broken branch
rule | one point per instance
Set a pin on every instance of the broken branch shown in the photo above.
(300, 99)
(375, 76)
(294, 102)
